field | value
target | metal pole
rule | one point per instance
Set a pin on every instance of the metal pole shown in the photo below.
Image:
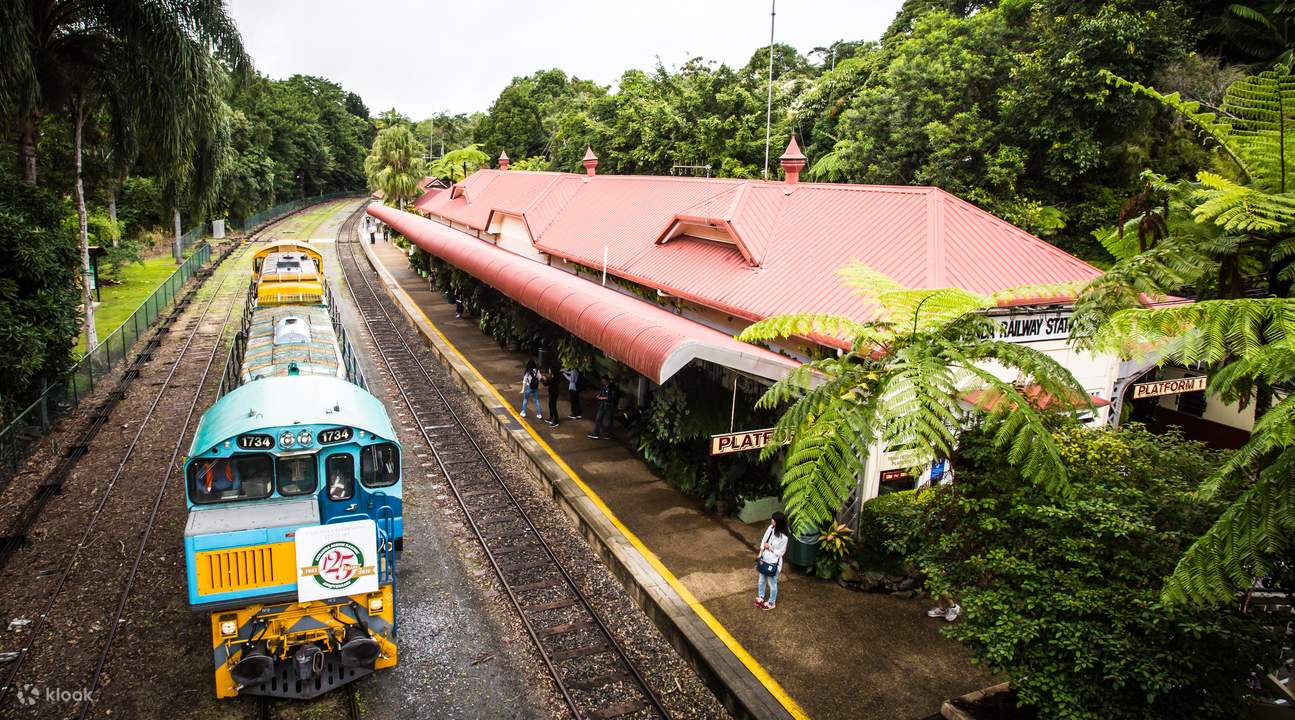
(604, 266)
(768, 113)
(732, 411)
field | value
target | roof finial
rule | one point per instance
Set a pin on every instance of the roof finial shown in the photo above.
(591, 160)
(503, 160)
(793, 161)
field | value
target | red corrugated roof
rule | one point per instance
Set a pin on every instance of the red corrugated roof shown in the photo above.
(789, 240)
(646, 337)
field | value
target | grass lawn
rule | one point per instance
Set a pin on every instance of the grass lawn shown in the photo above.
(304, 225)
(119, 301)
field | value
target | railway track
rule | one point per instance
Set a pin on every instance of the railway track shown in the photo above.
(264, 705)
(94, 567)
(590, 667)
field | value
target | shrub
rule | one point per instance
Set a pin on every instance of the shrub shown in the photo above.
(1062, 593)
(892, 530)
(39, 291)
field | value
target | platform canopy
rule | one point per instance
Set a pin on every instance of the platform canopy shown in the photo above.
(647, 337)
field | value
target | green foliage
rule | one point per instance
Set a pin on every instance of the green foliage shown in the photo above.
(672, 437)
(892, 530)
(1061, 594)
(395, 165)
(902, 384)
(289, 139)
(1246, 344)
(39, 292)
(834, 547)
(458, 164)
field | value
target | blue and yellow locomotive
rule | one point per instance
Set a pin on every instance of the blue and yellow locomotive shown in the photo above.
(293, 485)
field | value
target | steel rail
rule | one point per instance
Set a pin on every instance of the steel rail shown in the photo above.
(43, 618)
(346, 237)
(165, 476)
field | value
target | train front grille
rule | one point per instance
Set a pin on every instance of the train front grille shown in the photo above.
(245, 568)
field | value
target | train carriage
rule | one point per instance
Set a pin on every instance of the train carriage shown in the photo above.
(294, 490)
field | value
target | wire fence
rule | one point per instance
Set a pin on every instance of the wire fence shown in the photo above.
(68, 390)
(19, 437)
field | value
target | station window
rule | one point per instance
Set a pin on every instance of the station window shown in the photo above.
(296, 475)
(380, 465)
(340, 472)
(241, 477)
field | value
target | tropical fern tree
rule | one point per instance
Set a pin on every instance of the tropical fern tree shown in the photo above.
(1229, 234)
(395, 165)
(1246, 343)
(458, 164)
(903, 385)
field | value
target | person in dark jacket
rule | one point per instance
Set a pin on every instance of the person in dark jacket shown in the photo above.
(606, 406)
(553, 381)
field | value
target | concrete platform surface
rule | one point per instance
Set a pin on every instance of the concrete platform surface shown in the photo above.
(825, 652)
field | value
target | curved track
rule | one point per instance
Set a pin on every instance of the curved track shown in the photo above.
(92, 567)
(595, 676)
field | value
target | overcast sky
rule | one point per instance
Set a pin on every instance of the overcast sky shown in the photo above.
(422, 56)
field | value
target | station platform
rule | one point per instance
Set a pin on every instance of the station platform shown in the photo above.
(825, 652)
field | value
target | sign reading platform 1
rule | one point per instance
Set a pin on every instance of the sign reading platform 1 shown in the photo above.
(1168, 387)
(338, 559)
(740, 442)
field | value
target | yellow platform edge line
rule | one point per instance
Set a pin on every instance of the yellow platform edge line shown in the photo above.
(720, 631)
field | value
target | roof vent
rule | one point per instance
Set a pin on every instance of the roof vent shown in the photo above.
(793, 161)
(291, 330)
(503, 160)
(591, 161)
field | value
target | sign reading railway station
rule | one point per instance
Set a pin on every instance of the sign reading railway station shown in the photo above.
(740, 442)
(337, 559)
(1169, 387)
(1032, 327)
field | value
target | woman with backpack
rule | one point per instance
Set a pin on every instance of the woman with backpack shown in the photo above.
(531, 388)
(768, 561)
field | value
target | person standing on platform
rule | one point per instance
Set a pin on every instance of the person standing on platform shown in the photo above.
(553, 381)
(768, 561)
(603, 416)
(458, 307)
(573, 391)
(531, 388)
(372, 239)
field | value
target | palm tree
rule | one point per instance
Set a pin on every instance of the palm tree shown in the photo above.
(903, 385)
(395, 165)
(154, 67)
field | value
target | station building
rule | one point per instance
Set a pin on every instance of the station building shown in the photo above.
(661, 272)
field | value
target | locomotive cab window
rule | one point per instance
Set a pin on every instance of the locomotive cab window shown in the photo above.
(241, 477)
(379, 465)
(296, 475)
(340, 476)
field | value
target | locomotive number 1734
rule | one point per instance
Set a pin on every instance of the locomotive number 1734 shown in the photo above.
(255, 442)
(334, 435)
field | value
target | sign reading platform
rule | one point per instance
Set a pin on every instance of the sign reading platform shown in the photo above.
(1168, 387)
(740, 441)
(338, 559)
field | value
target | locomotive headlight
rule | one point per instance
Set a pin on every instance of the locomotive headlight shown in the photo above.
(287, 439)
(228, 628)
(303, 438)
(375, 605)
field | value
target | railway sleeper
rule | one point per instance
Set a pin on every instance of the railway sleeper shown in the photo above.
(582, 651)
(563, 629)
(552, 605)
(618, 710)
(519, 567)
(598, 681)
